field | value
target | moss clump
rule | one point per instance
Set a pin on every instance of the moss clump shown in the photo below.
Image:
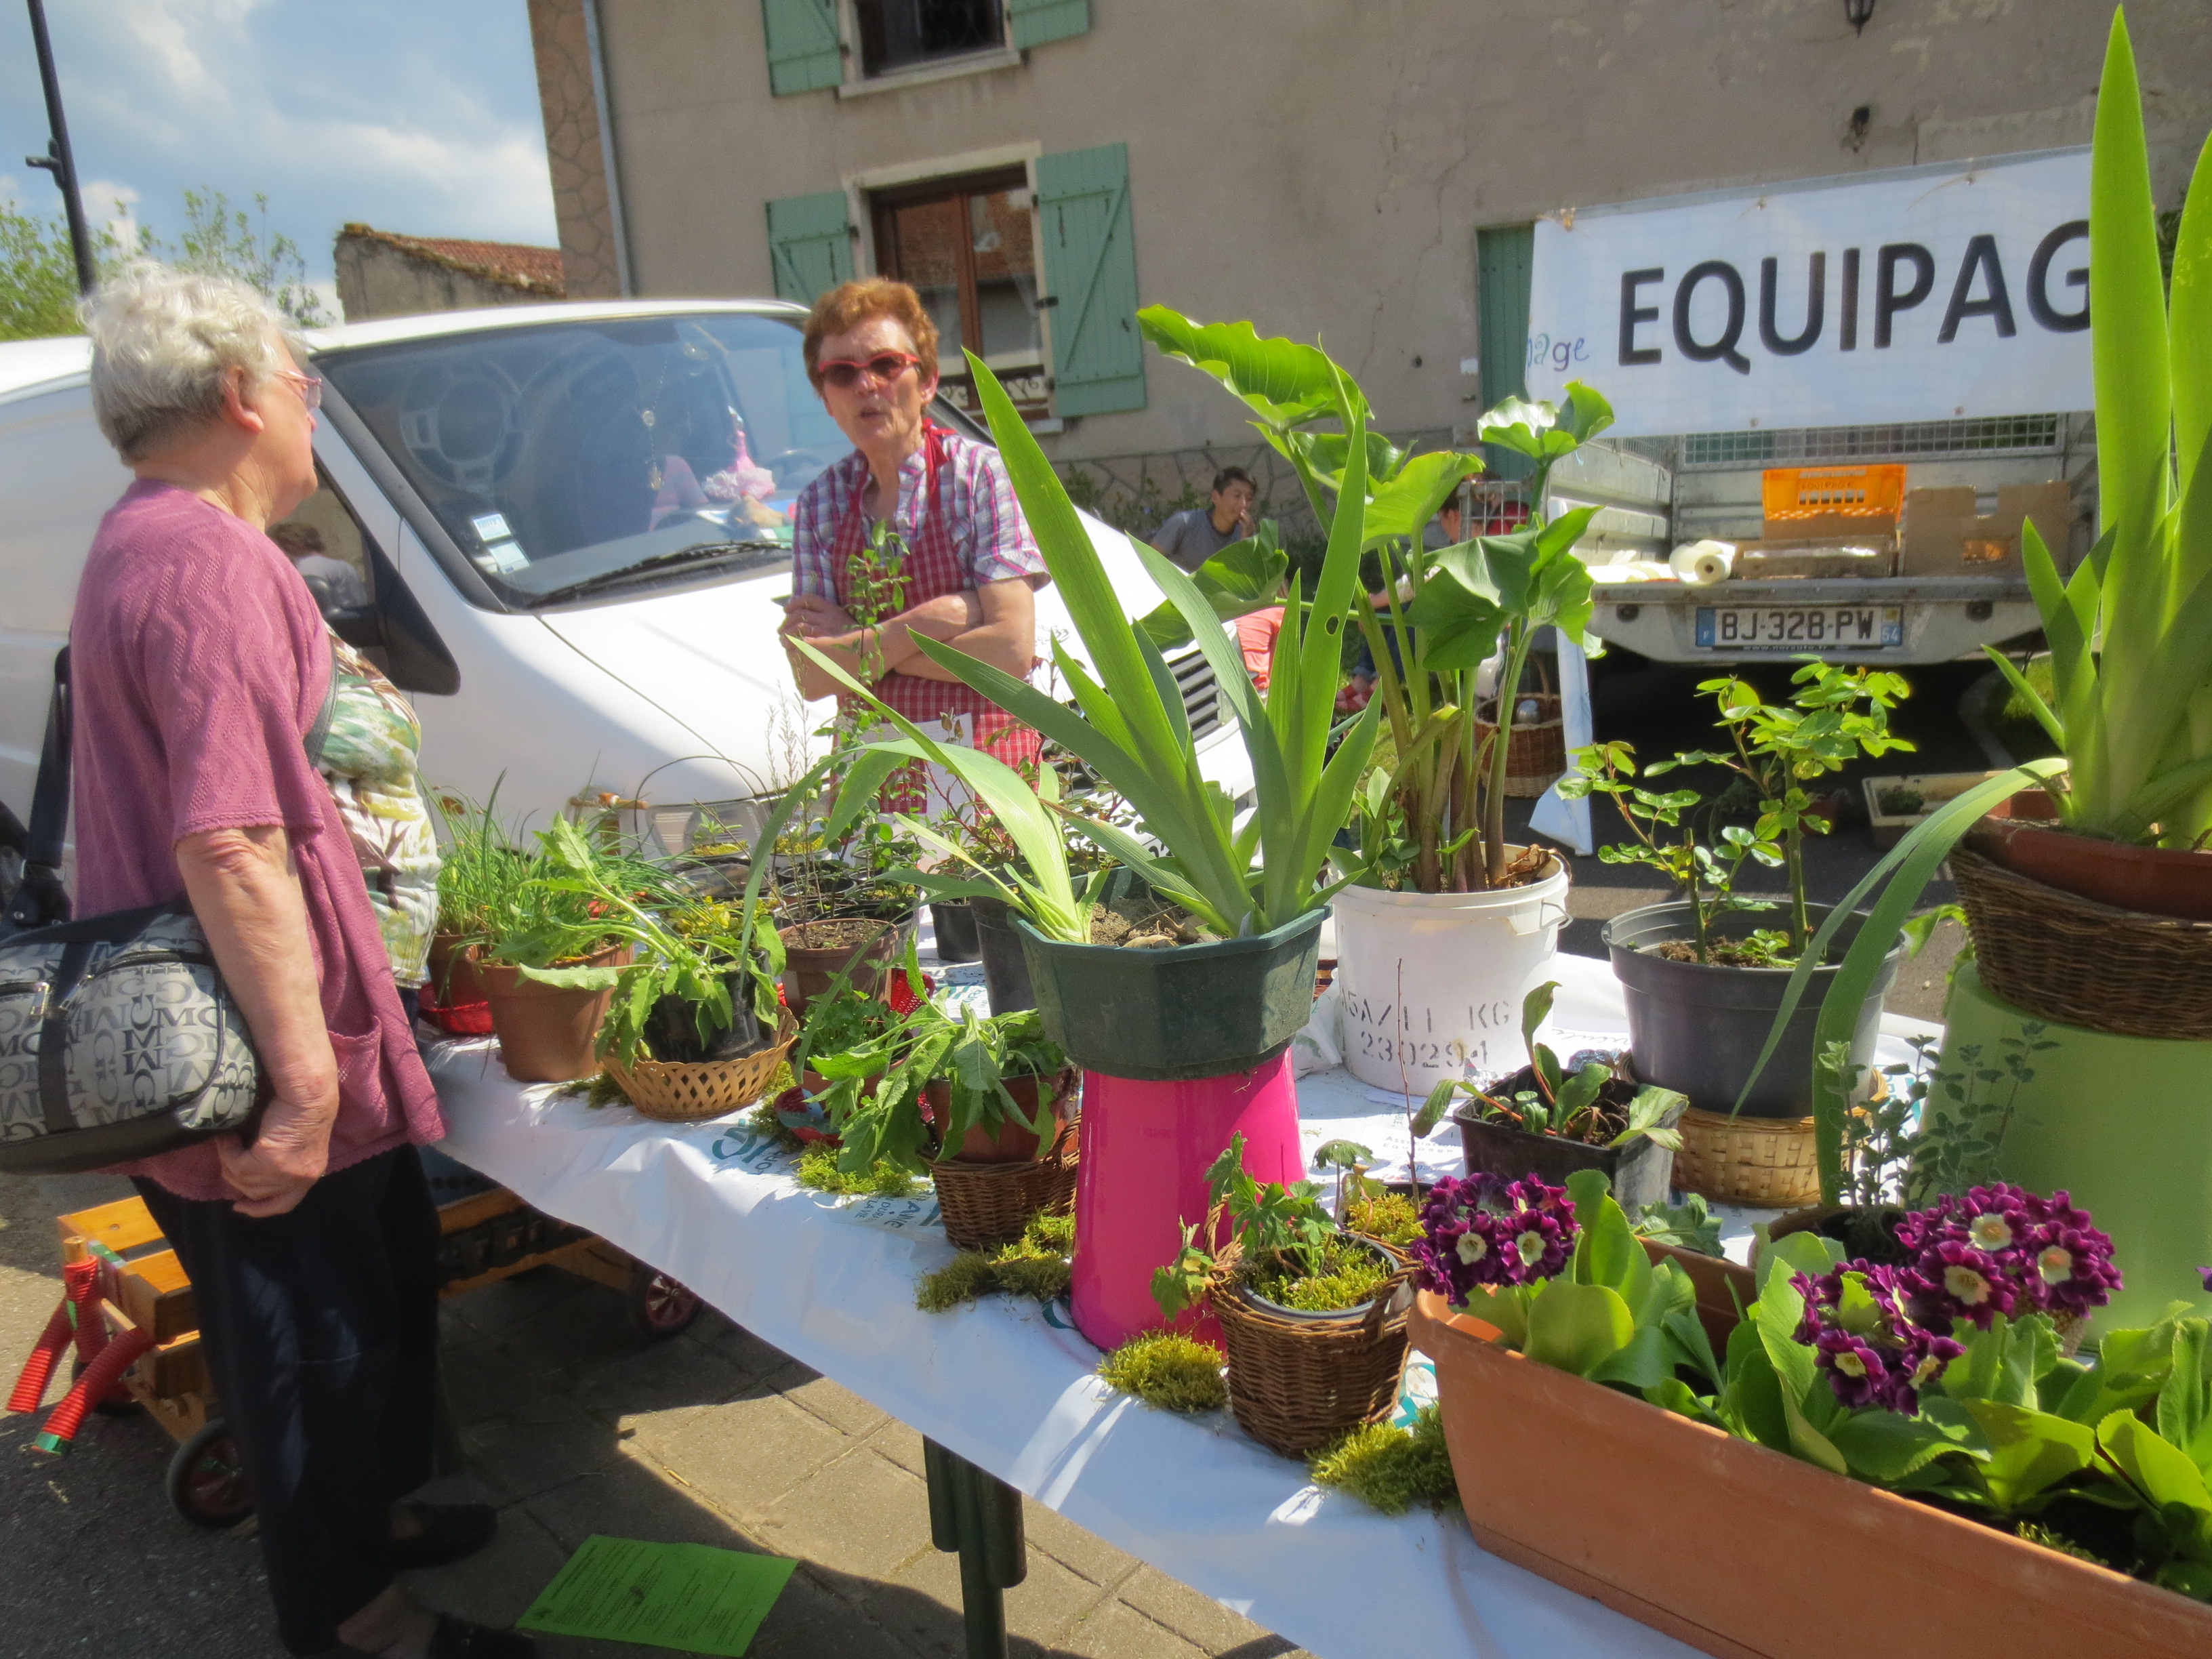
(1176, 1373)
(1036, 1266)
(1351, 1274)
(817, 1168)
(2058, 1540)
(1391, 1217)
(1390, 1468)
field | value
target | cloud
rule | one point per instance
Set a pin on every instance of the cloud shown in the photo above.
(413, 115)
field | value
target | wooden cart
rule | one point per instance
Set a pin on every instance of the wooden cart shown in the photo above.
(484, 1237)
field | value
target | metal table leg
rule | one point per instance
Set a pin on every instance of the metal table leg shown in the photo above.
(979, 1516)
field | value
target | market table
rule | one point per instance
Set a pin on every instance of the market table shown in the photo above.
(1011, 1388)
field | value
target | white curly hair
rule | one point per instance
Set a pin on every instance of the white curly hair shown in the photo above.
(163, 342)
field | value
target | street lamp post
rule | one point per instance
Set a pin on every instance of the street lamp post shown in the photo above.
(57, 160)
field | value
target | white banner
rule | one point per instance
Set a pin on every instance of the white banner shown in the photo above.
(1924, 295)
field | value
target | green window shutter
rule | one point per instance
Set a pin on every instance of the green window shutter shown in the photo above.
(1090, 269)
(803, 51)
(1033, 22)
(1503, 258)
(810, 242)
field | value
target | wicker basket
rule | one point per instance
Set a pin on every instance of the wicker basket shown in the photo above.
(1297, 1382)
(2062, 958)
(1766, 1160)
(985, 1205)
(692, 1092)
(1537, 758)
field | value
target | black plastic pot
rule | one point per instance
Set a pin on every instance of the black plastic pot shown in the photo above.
(1698, 1027)
(1189, 1010)
(1640, 1172)
(1006, 969)
(672, 1028)
(955, 926)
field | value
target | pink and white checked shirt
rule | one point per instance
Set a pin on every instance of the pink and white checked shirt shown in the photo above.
(990, 537)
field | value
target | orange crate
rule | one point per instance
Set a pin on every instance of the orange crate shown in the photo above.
(1798, 493)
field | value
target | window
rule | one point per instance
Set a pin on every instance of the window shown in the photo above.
(968, 247)
(574, 457)
(899, 34)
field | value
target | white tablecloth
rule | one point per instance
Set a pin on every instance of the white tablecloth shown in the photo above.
(1011, 1388)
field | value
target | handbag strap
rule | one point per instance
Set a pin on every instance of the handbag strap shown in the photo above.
(41, 899)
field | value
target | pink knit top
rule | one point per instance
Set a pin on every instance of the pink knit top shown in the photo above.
(199, 662)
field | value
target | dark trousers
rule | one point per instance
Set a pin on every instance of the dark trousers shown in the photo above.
(320, 1328)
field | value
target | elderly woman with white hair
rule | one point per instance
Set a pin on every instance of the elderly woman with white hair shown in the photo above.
(200, 666)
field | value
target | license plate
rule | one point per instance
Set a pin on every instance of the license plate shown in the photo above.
(1800, 627)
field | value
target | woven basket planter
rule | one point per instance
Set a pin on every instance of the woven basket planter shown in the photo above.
(985, 1205)
(1297, 1382)
(1537, 756)
(1767, 1161)
(2073, 961)
(692, 1092)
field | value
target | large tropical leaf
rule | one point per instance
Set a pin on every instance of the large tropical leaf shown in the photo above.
(1544, 431)
(1283, 381)
(1244, 577)
(1402, 505)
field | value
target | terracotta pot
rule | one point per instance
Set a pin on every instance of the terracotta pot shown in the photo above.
(809, 970)
(455, 982)
(1784, 1560)
(2158, 881)
(546, 1034)
(1009, 1143)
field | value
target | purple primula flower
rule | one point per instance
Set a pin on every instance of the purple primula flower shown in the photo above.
(1484, 1233)
(2206, 1272)
(1877, 1355)
(2000, 1248)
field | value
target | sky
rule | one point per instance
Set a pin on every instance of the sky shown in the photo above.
(417, 116)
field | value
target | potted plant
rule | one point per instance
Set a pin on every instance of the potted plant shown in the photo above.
(1914, 1428)
(840, 902)
(478, 870)
(552, 951)
(1703, 976)
(1544, 1122)
(1437, 902)
(1312, 1317)
(2100, 940)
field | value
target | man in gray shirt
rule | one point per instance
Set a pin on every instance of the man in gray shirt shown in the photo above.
(1189, 539)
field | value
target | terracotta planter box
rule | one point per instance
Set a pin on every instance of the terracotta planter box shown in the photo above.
(1766, 1558)
(1724, 1288)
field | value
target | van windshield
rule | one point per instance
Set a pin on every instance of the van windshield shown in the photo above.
(566, 459)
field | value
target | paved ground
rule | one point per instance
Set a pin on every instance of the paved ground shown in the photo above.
(572, 1425)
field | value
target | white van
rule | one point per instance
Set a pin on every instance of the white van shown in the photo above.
(572, 522)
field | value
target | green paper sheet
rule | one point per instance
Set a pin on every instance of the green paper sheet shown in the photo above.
(692, 1597)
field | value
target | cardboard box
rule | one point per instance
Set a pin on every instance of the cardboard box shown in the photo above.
(1943, 535)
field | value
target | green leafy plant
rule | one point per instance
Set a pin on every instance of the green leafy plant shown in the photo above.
(1687, 1225)
(1566, 1108)
(561, 913)
(479, 867)
(1931, 1133)
(1834, 716)
(1129, 728)
(2131, 629)
(1285, 1245)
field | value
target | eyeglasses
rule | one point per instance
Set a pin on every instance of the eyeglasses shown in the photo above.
(309, 386)
(885, 366)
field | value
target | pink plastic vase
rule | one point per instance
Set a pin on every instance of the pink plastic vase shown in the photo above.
(1145, 1149)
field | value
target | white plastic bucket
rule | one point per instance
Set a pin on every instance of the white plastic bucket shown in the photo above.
(1432, 983)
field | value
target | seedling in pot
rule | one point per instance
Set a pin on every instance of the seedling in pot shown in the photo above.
(1776, 750)
(1289, 1250)
(1566, 1106)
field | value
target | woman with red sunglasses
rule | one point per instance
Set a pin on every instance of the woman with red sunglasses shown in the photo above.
(916, 532)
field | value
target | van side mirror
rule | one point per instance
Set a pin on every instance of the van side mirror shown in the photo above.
(393, 625)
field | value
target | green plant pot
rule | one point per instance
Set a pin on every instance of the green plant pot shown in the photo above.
(1168, 1016)
(2124, 1124)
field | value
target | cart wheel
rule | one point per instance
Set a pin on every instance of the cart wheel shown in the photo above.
(208, 1483)
(659, 1308)
(118, 1403)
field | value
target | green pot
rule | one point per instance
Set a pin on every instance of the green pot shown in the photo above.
(1168, 1016)
(2122, 1124)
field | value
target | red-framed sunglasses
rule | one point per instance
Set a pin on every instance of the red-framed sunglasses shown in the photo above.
(885, 366)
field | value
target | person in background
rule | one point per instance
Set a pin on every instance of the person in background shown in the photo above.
(334, 583)
(916, 532)
(1447, 529)
(200, 666)
(1191, 537)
